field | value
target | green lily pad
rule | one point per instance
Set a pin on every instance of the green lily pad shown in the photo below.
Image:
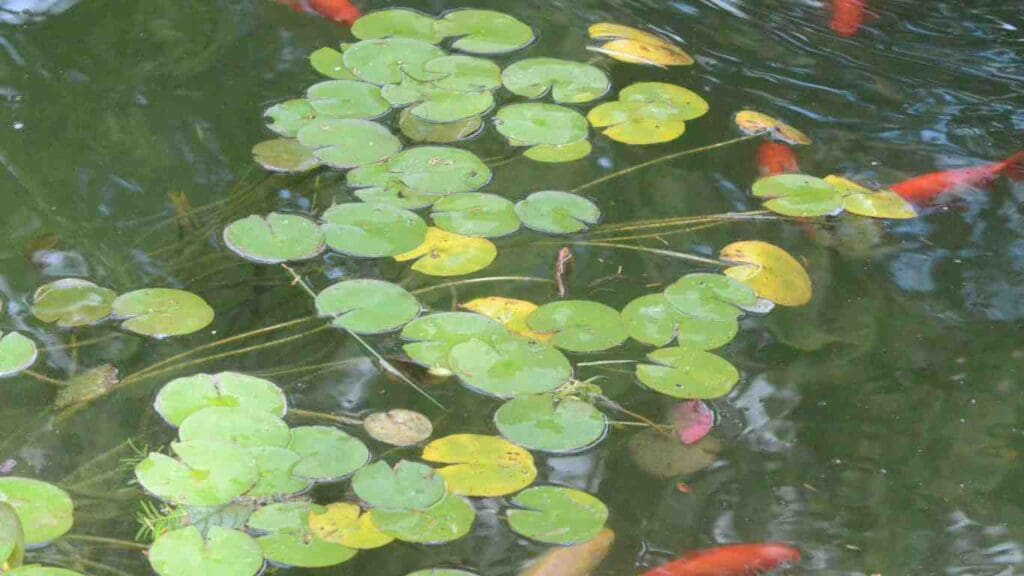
(45, 511)
(72, 302)
(579, 325)
(287, 515)
(510, 366)
(184, 552)
(241, 427)
(448, 520)
(274, 238)
(444, 253)
(433, 104)
(475, 214)
(330, 63)
(17, 353)
(466, 74)
(397, 22)
(710, 296)
(569, 82)
(232, 516)
(799, 195)
(544, 422)
(348, 143)
(648, 113)
(441, 572)
(287, 118)
(419, 130)
(276, 480)
(653, 320)
(372, 230)
(557, 154)
(37, 570)
(407, 486)
(207, 474)
(428, 170)
(162, 312)
(393, 197)
(546, 124)
(433, 336)
(688, 373)
(328, 454)
(182, 397)
(485, 31)
(367, 306)
(284, 155)
(300, 549)
(12, 537)
(347, 99)
(388, 60)
(556, 515)
(557, 212)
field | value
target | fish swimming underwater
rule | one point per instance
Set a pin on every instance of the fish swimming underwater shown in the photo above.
(774, 158)
(926, 188)
(847, 17)
(341, 11)
(734, 560)
(579, 560)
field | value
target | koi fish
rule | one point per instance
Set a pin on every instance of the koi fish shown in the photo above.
(579, 560)
(924, 189)
(735, 560)
(775, 158)
(341, 11)
(847, 17)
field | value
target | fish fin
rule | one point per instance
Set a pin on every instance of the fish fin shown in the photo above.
(1014, 167)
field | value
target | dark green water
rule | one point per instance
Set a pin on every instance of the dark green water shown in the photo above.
(877, 429)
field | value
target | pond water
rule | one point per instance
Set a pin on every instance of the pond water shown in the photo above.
(877, 428)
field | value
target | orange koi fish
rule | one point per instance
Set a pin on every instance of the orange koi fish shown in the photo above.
(735, 560)
(579, 560)
(341, 11)
(775, 158)
(847, 17)
(924, 189)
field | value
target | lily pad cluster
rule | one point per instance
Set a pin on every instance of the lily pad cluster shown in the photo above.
(32, 514)
(804, 196)
(648, 113)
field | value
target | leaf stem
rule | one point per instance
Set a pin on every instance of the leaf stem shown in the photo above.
(660, 252)
(41, 378)
(104, 540)
(605, 362)
(309, 414)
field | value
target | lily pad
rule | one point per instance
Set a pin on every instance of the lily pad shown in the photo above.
(394, 197)
(435, 335)
(485, 31)
(448, 520)
(37, 570)
(799, 195)
(72, 302)
(184, 552)
(287, 118)
(12, 537)
(446, 254)
(510, 366)
(300, 549)
(569, 82)
(162, 312)
(579, 325)
(45, 511)
(327, 453)
(544, 422)
(419, 130)
(556, 515)
(388, 60)
(242, 427)
(288, 515)
(482, 466)
(343, 523)
(348, 143)
(557, 154)
(510, 312)
(207, 474)
(873, 204)
(274, 238)
(372, 230)
(398, 427)
(770, 271)
(17, 353)
(276, 479)
(688, 373)
(648, 113)
(710, 296)
(475, 214)
(368, 306)
(426, 170)
(633, 46)
(284, 155)
(347, 99)
(432, 104)
(407, 486)
(330, 63)
(752, 123)
(182, 397)
(541, 124)
(556, 212)
(441, 572)
(232, 516)
(397, 22)
(653, 320)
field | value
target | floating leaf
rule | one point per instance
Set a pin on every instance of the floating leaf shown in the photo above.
(37, 570)
(393, 197)
(343, 523)
(207, 474)
(242, 427)
(17, 353)
(287, 118)
(435, 335)
(556, 515)
(295, 548)
(448, 520)
(232, 516)
(276, 479)
(557, 212)
(407, 486)
(511, 313)
(274, 238)
(579, 325)
(635, 46)
(327, 453)
(544, 422)
(873, 204)
(483, 466)
(692, 420)
(388, 60)
(162, 312)
(441, 572)
(182, 397)
(446, 254)
(510, 366)
(426, 170)
(541, 124)
(397, 22)
(372, 230)
(798, 195)
(440, 106)
(563, 153)
(398, 427)
(579, 560)
(420, 130)
(770, 271)
(648, 113)
(367, 306)
(475, 214)
(710, 296)
(330, 63)
(45, 511)
(87, 386)
(688, 373)
(347, 143)
(653, 320)
(284, 155)
(279, 516)
(569, 82)
(665, 457)
(184, 552)
(12, 537)
(485, 31)
(72, 302)
(752, 123)
(347, 99)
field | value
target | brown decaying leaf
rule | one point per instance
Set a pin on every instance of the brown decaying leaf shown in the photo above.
(398, 427)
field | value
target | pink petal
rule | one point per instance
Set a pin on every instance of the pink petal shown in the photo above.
(693, 420)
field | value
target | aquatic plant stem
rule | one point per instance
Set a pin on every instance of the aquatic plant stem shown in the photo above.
(659, 160)
(480, 281)
(669, 253)
(41, 378)
(616, 406)
(605, 362)
(107, 541)
(309, 414)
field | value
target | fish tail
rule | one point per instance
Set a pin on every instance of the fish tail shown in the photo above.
(1013, 167)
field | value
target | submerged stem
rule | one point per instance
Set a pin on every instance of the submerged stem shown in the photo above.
(104, 540)
(669, 253)
(41, 378)
(322, 416)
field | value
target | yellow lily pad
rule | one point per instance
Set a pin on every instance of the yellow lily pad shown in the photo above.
(648, 113)
(873, 204)
(482, 466)
(511, 313)
(751, 123)
(634, 46)
(770, 271)
(345, 524)
(447, 254)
